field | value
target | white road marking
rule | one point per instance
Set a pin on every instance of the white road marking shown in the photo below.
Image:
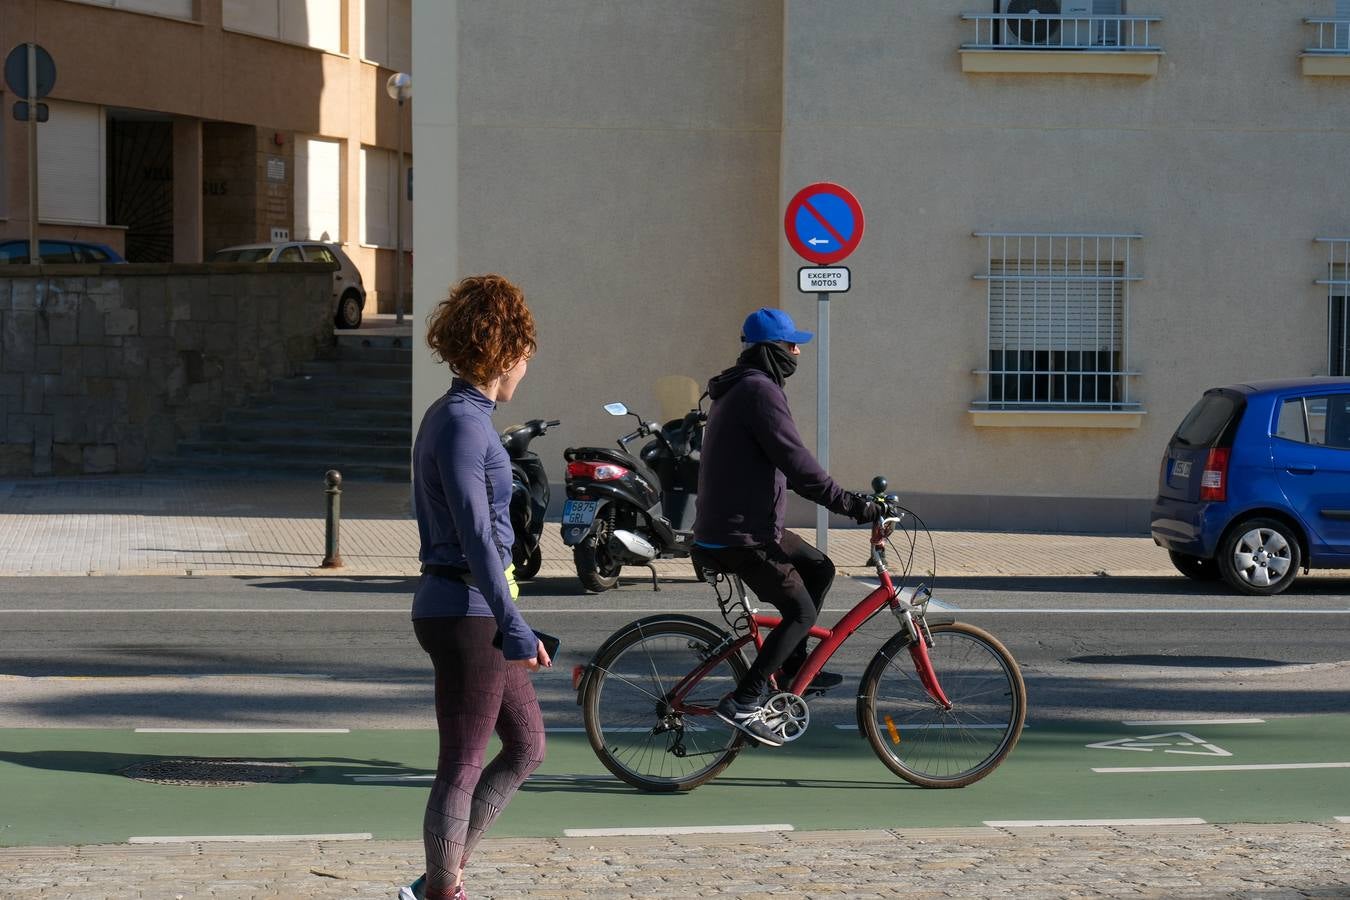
(1194, 722)
(247, 838)
(1063, 823)
(674, 829)
(704, 608)
(1258, 767)
(407, 779)
(854, 727)
(1147, 743)
(243, 731)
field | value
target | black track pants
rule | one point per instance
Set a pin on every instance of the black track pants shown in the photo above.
(792, 576)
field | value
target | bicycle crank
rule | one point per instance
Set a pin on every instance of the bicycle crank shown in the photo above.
(787, 714)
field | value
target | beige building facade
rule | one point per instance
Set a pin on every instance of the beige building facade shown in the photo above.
(178, 127)
(1073, 226)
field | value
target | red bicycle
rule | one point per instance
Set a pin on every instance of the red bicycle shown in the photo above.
(942, 703)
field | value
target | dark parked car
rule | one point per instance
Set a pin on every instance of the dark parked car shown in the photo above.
(1255, 484)
(15, 252)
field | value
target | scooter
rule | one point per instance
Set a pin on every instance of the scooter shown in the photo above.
(626, 510)
(529, 494)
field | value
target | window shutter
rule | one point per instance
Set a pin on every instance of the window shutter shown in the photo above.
(313, 23)
(377, 219)
(318, 190)
(1062, 305)
(70, 164)
(182, 9)
(254, 16)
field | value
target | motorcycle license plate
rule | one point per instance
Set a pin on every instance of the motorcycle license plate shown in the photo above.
(579, 512)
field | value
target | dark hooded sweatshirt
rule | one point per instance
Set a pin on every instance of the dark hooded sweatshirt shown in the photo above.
(751, 454)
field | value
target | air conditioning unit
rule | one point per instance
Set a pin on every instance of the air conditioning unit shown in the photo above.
(1074, 31)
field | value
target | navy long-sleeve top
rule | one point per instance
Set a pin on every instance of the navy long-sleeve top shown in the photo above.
(462, 489)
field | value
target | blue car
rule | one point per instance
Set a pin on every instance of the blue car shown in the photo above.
(1255, 484)
(15, 252)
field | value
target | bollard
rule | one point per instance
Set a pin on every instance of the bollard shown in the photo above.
(332, 558)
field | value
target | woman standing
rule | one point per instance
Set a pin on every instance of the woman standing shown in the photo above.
(462, 488)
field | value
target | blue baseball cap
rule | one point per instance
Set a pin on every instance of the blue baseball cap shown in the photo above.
(766, 324)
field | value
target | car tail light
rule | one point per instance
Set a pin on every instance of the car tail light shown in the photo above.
(595, 471)
(1214, 479)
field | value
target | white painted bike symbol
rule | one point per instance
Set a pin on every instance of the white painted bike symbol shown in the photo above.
(1171, 742)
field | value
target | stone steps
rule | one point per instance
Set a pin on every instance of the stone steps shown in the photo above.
(352, 413)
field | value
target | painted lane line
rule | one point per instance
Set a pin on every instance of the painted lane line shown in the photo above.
(243, 731)
(247, 838)
(403, 611)
(412, 779)
(674, 829)
(1071, 823)
(1262, 767)
(1146, 722)
(939, 725)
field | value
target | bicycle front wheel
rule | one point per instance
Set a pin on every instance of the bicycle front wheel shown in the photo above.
(915, 736)
(635, 726)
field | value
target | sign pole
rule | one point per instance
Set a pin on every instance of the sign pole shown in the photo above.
(33, 256)
(823, 411)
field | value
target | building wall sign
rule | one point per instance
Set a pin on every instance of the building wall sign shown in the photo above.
(276, 168)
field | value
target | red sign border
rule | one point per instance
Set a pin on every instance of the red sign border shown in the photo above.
(806, 251)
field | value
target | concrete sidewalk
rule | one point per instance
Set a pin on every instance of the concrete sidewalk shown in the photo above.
(1295, 860)
(173, 526)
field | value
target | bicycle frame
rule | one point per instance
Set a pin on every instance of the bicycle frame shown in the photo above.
(831, 639)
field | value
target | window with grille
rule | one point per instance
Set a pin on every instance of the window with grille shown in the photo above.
(1337, 283)
(1057, 321)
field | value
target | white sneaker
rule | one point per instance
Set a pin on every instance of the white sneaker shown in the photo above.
(415, 891)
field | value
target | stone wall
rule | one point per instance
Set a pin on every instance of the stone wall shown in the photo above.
(105, 367)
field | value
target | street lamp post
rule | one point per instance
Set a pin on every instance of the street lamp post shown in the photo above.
(399, 87)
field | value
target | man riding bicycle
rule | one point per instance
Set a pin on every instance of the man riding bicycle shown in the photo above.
(751, 453)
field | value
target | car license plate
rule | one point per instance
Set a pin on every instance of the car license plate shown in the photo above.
(579, 512)
(1181, 468)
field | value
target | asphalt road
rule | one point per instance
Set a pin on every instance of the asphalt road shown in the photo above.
(317, 652)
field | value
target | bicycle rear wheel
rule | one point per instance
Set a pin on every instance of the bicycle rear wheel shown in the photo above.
(631, 723)
(919, 740)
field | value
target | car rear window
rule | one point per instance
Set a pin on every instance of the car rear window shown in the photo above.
(1207, 420)
(252, 254)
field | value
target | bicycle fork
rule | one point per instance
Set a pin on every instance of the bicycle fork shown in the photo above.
(918, 652)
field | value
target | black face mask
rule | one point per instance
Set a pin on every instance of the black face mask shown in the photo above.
(770, 358)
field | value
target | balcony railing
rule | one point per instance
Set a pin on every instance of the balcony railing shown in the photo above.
(1033, 31)
(1332, 36)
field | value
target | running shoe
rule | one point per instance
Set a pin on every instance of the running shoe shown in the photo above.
(415, 891)
(749, 718)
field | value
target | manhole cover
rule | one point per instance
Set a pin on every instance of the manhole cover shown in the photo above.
(212, 772)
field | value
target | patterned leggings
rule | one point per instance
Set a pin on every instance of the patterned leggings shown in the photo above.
(475, 691)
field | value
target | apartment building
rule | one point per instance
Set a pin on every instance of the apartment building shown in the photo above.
(178, 127)
(1080, 214)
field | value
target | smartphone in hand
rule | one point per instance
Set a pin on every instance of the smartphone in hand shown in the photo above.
(551, 643)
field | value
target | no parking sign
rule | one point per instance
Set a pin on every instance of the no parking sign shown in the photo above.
(824, 224)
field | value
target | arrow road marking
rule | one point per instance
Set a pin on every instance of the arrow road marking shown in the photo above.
(814, 241)
(1147, 742)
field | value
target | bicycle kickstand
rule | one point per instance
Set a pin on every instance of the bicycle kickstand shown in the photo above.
(655, 586)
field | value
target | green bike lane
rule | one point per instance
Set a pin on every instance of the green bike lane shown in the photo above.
(61, 787)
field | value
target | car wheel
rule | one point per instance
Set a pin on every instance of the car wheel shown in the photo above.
(1260, 556)
(348, 311)
(1195, 567)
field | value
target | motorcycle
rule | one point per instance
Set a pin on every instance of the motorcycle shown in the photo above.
(625, 510)
(529, 494)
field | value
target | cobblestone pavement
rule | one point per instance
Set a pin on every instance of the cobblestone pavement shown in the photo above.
(1240, 861)
(161, 526)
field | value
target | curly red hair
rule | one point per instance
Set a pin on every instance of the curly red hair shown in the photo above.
(482, 329)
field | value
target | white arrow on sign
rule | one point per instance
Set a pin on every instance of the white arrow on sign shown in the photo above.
(814, 241)
(1149, 742)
